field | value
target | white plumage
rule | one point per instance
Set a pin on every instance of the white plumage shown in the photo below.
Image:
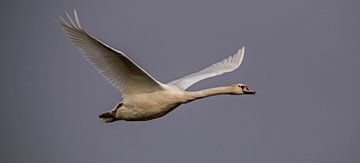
(112, 64)
(229, 64)
(144, 97)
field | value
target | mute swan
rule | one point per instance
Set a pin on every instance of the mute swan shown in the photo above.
(145, 98)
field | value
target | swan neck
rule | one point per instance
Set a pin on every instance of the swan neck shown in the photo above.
(193, 95)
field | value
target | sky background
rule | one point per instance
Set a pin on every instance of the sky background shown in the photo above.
(302, 58)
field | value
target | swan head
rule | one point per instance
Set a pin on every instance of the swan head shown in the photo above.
(240, 89)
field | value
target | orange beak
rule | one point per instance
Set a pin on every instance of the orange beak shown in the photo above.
(249, 91)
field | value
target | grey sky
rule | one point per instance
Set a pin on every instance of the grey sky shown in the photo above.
(301, 57)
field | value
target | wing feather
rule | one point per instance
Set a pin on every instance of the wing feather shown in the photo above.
(119, 70)
(228, 64)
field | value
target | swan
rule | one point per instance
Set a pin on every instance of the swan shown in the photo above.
(143, 97)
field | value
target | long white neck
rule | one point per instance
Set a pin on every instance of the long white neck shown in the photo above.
(194, 95)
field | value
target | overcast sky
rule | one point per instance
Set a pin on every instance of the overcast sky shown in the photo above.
(302, 58)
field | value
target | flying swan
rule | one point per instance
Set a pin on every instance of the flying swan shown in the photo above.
(145, 98)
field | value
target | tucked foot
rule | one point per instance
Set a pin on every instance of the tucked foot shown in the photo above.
(107, 117)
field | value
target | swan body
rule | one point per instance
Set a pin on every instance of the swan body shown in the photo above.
(145, 98)
(134, 107)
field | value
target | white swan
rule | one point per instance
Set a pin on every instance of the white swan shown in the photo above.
(145, 98)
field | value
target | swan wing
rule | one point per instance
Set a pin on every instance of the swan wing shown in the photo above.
(121, 72)
(228, 64)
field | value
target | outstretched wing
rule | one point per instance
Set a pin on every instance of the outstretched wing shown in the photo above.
(121, 72)
(228, 64)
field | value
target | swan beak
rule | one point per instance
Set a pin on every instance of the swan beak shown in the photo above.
(249, 91)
